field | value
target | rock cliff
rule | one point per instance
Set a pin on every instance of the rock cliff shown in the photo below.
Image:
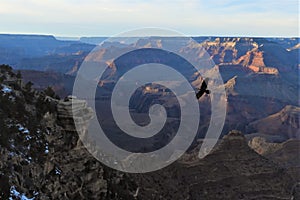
(232, 171)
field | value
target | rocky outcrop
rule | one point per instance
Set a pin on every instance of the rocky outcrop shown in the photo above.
(254, 60)
(231, 171)
(261, 146)
(286, 154)
(72, 109)
(71, 170)
(230, 86)
(284, 123)
(227, 50)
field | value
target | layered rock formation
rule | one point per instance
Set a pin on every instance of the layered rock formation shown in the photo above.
(73, 110)
(269, 56)
(71, 170)
(284, 123)
(285, 154)
(261, 146)
(231, 171)
(254, 60)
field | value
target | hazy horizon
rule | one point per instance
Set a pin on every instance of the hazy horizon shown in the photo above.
(106, 36)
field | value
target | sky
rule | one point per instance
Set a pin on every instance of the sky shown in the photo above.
(74, 18)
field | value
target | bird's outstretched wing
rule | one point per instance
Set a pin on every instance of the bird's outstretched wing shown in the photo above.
(199, 94)
(203, 85)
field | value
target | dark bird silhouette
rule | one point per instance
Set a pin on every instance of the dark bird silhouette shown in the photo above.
(203, 89)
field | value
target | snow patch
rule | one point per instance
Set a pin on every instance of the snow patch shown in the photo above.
(46, 148)
(22, 129)
(15, 194)
(6, 89)
(57, 171)
(28, 137)
(29, 159)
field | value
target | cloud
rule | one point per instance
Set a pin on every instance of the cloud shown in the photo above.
(106, 17)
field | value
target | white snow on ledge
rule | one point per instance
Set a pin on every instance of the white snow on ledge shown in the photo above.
(14, 193)
(6, 89)
(47, 148)
(23, 129)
